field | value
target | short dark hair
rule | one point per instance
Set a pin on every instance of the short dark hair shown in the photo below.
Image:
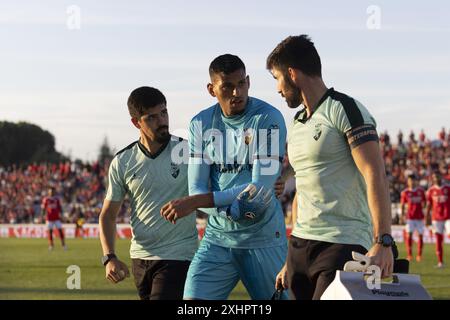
(144, 98)
(296, 52)
(226, 63)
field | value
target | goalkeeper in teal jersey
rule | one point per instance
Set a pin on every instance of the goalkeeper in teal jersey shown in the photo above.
(236, 148)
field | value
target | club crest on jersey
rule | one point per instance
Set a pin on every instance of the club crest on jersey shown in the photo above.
(250, 215)
(174, 170)
(317, 131)
(247, 136)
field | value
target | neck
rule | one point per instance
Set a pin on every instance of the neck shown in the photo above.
(229, 113)
(312, 91)
(152, 146)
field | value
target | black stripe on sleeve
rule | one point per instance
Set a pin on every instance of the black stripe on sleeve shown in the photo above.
(361, 134)
(351, 109)
(126, 148)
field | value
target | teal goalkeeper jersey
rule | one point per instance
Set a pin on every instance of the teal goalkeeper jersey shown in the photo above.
(227, 154)
(151, 181)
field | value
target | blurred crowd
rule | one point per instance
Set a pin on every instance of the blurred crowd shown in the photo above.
(414, 154)
(81, 187)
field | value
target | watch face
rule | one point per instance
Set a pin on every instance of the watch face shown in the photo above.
(107, 257)
(387, 240)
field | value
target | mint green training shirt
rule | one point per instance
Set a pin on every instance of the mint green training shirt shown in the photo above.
(332, 196)
(151, 182)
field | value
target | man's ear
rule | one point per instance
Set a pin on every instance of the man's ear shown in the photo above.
(248, 81)
(210, 89)
(292, 74)
(135, 122)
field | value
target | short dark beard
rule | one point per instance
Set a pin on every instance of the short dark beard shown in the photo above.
(162, 138)
(293, 93)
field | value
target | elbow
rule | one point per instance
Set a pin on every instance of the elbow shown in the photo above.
(195, 189)
(375, 174)
(106, 217)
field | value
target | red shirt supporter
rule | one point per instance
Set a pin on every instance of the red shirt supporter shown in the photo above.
(52, 208)
(413, 200)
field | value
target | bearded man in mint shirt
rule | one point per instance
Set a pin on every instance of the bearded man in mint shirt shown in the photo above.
(342, 190)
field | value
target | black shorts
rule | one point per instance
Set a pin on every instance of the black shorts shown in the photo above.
(312, 265)
(160, 279)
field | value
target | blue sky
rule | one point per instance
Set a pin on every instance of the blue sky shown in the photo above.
(75, 83)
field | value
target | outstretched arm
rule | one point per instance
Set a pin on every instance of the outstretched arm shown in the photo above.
(265, 171)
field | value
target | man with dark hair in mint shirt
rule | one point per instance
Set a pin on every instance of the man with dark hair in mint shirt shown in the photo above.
(343, 202)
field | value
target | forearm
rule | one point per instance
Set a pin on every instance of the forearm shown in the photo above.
(205, 203)
(379, 202)
(107, 225)
(205, 200)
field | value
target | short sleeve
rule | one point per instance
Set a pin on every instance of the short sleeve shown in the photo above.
(350, 114)
(353, 120)
(403, 197)
(116, 186)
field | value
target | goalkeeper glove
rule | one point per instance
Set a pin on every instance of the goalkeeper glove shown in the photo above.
(250, 204)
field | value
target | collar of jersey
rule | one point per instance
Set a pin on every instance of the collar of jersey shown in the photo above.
(148, 154)
(302, 115)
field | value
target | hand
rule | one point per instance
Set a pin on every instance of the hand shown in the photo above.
(116, 271)
(382, 257)
(251, 203)
(281, 281)
(176, 209)
(279, 187)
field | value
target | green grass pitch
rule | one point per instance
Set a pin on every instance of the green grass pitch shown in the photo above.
(29, 271)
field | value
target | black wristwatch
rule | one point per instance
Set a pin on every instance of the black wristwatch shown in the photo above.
(107, 258)
(386, 240)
